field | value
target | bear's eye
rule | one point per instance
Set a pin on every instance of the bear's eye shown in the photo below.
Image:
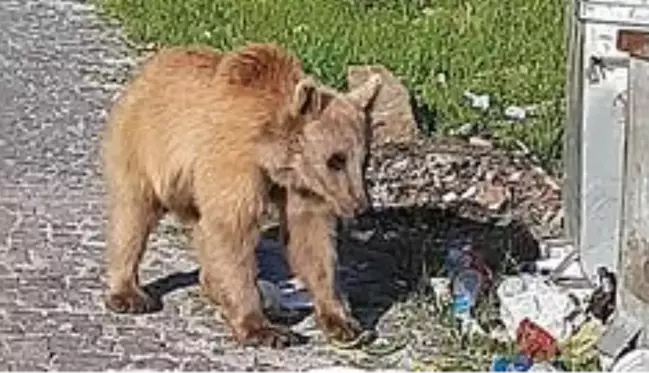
(337, 162)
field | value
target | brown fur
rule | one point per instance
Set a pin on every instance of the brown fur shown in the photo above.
(205, 135)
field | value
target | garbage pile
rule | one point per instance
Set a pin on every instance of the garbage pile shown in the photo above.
(554, 326)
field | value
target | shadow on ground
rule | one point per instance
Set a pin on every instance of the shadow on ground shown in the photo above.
(387, 255)
(395, 251)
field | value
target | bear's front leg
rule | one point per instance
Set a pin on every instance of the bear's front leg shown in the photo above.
(133, 214)
(312, 256)
(228, 277)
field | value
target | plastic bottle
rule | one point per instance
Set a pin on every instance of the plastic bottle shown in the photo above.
(465, 285)
(466, 279)
(517, 363)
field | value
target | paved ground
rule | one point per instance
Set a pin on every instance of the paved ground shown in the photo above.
(56, 62)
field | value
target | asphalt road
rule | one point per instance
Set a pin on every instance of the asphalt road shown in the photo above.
(58, 65)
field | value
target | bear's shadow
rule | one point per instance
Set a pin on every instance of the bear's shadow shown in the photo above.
(385, 255)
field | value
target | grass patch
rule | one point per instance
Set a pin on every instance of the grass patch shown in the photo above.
(512, 50)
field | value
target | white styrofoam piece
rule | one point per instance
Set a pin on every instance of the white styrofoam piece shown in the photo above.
(530, 297)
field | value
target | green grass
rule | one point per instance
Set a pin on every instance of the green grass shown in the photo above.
(512, 50)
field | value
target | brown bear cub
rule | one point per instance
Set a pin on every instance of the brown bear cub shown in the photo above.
(206, 135)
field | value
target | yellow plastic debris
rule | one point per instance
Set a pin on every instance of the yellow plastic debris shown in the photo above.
(581, 346)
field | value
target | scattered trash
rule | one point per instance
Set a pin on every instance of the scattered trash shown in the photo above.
(522, 363)
(520, 112)
(499, 333)
(469, 276)
(535, 342)
(519, 363)
(460, 255)
(581, 347)
(481, 102)
(284, 298)
(270, 295)
(602, 303)
(531, 297)
(553, 320)
(576, 318)
(441, 78)
(606, 362)
(359, 235)
(554, 326)
(465, 287)
(515, 112)
(564, 265)
(282, 295)
(618, 337)
(442, 289)
(543, 366)
(555, 248)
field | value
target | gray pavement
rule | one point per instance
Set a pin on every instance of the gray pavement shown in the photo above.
(58, 69)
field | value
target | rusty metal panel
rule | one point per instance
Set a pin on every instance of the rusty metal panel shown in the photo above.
(594, 139)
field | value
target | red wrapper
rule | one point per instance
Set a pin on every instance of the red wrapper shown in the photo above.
(535, 342)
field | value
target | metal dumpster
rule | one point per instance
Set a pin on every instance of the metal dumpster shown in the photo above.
(606, 153)
(594, 138)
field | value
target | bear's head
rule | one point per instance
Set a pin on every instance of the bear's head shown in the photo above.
(326, 154)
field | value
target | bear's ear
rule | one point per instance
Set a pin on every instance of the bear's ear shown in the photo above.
(364, 95)
(309, 99)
